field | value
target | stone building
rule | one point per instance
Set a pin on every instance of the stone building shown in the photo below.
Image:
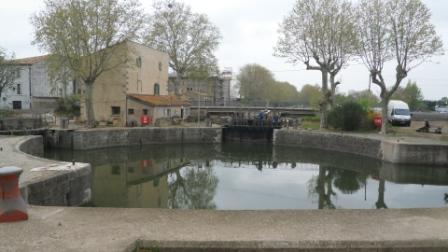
(33, 89)
(213, 91)
(138, 87)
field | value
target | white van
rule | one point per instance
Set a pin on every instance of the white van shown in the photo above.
(398, 113)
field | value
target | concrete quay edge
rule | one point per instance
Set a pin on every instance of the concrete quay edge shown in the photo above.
(113, 229)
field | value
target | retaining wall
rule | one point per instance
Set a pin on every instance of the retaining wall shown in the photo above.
(56, 183)
(115, 137)
(393, 151)
(329, 141)
(424, 154)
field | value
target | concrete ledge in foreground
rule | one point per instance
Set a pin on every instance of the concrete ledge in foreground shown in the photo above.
(101, 229)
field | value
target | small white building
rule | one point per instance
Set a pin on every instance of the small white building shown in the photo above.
(33, 89)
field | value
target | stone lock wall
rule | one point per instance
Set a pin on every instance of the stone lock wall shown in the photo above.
(397, 152)
(115, 137)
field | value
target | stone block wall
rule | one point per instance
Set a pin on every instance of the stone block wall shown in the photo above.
(104, 138)
(397, 152)
(64, 187)
(32, 146)
(329, 141)
(418, 154)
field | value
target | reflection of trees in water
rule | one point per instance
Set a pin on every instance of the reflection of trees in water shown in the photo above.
(381, 189)
(192, 187)
(321, 186)
(347, 181)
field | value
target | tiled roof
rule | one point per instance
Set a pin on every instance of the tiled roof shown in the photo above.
(160, 100)
(31, 60)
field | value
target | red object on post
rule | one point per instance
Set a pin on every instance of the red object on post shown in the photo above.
(145, 120)
(377, 121)
(12, 205)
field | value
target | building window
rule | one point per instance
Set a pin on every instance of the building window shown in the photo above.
(130, 111)
(145, 112)
(160, 66)
(18, 73)
(19, 89)
(116, 111)
(156, 89)
(16, 104)
(138, 62)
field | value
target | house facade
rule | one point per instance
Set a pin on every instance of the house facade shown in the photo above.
(33, 89)
(145, 76)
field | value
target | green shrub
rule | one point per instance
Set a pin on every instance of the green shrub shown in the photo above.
(68, 106)
(349, 116)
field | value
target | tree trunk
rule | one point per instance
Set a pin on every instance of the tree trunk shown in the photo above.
(333, 90)
(384, 103)
(177, 84)
(324, 100)
(89, 105)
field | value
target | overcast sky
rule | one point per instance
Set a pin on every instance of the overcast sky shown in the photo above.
(249, 31)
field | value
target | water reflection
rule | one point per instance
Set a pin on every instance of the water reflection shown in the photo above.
(248, 176)
(192, 187)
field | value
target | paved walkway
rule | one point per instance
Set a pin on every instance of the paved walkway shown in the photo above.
(35, 169)
(97, 229)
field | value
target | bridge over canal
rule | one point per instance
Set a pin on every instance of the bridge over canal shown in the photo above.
(232, 110)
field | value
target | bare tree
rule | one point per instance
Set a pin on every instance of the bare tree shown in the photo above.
(320, 34)
(190, 39)
(394, 30)
(81, 34)
(8, 71)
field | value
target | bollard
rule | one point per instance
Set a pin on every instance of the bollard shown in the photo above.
(12, 205)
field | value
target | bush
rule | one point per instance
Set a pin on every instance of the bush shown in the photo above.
(349, 116)
(68, 106)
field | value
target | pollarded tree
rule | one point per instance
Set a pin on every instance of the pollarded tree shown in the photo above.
(80, 36)
(320, 34)
(8, 71)
(190, 39)
(394, 30)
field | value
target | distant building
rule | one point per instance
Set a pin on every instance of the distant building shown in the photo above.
(213, 91)
(34, 91)
(139, 87)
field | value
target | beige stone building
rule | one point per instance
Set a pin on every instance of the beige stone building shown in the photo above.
(138, 87)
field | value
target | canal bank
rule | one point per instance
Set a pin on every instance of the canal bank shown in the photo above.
(45, 182)
(109, 229)
(115, 137)
(396, 150)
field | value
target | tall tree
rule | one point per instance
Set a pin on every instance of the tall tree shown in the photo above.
(8, 71)
(282, 94)
(398, 30)
(411, 94)
(254, 82)
(81, 34)
(190, 39)
(309, 95)
(320, 34)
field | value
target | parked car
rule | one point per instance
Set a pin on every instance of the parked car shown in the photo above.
(398, 113)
